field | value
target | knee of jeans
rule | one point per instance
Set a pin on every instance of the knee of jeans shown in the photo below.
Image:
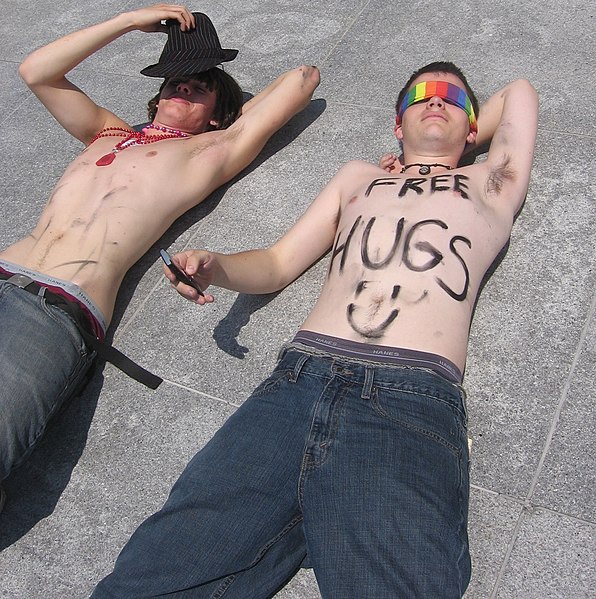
(20, 428)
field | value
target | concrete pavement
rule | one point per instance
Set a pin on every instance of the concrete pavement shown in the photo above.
(110, 459)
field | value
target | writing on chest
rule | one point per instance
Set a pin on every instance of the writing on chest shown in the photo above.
(457, 184)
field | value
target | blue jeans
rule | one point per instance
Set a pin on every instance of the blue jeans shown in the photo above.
(359, 470)
(43, 362)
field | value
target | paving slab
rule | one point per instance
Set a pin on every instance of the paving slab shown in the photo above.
(553, 556)
(110, 459)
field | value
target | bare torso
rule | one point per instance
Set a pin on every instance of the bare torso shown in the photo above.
(409, 257)
(100, 220)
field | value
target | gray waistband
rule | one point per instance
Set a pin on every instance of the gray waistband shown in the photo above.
(69, 287)
(381, 353)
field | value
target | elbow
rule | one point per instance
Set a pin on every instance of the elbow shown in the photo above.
(524, 83)
(310, 77)
(26, 72)
(525, 87)
(528, 91)
(31, 72)
(314, 74)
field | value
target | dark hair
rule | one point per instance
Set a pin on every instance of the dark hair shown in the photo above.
(228, 97)
(439, 67)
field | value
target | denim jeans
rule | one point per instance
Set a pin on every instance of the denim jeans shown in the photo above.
(359, 470)
(43, 363)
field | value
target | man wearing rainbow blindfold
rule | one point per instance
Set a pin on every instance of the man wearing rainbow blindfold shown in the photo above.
(353, 455)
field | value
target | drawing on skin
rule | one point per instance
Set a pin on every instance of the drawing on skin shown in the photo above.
(373, 309)
(364, 251)
(49, 246)
(56, 190)
(424, 246)
(362, 316)
(92, 219)
(37, 239)
(460, 297)
(456, 183)
(110, 194)
(113, 192)
(343, 249)
(82, 264)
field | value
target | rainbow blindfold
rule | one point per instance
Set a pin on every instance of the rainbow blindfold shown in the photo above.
(449, 92)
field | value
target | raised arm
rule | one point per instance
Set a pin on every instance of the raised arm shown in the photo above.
(267, 112)
(44, 71)
(509, 120)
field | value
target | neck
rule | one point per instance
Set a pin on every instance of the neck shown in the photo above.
(413, 162)
(159, 127)
(425, 168)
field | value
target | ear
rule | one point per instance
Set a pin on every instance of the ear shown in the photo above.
(397, 131)
(471, 137)
(214, 123)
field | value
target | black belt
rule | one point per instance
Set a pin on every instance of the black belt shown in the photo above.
(104, 349)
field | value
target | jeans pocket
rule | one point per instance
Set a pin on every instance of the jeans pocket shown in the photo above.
(64, 320)
(273, 381)
(422, 413)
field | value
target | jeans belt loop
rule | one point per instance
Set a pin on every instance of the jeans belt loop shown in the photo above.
(464, 405)
(369, 377)
(299, 364)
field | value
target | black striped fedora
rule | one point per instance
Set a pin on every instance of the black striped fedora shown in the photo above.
(189, 52)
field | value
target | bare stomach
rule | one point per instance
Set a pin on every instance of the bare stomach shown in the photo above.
(428, 323)
(91, 243)
(100, 220)
(81, 264)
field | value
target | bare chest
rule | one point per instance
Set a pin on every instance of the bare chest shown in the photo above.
(429, 233)
(153, 181)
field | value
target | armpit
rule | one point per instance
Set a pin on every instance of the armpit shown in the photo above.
(498, 175)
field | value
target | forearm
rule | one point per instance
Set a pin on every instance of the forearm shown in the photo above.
(51, 63)
(252, 271)
(489, 117)
(491, 112)
(301, 82)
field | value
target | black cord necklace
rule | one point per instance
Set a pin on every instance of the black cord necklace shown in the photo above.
(424, 168)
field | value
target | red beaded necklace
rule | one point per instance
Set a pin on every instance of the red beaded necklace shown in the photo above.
(133, 138)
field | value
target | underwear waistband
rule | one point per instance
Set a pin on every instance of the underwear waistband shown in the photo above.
(88, 325)
(381, 353)
(68, 290)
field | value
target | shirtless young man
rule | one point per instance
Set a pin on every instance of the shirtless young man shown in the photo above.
(352, 456)
(101, 218)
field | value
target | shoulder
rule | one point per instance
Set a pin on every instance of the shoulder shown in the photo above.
(351, 177)
(355, 169)
(353, 173)
(362, 166)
